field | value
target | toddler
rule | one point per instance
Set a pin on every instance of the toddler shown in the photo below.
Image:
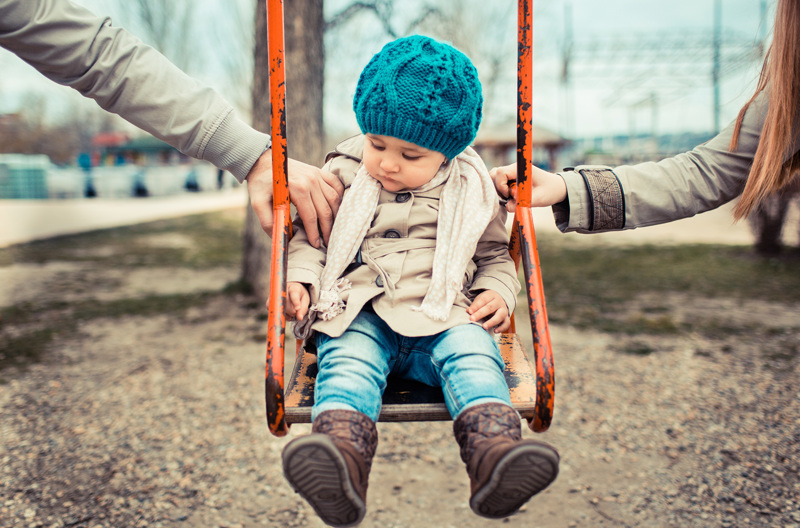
(415, 278)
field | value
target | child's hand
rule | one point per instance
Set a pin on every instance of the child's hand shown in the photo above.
(489, 304)
(297, 300)
(502, 177)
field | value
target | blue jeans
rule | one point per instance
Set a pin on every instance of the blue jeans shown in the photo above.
(464, 361)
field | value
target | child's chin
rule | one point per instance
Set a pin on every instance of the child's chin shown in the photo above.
(393, 186)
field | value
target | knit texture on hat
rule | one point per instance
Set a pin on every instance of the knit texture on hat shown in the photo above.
(421, 91)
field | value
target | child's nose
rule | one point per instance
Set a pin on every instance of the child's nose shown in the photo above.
(389, 163)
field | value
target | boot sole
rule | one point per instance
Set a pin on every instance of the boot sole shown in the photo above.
(317, 471)
(522, 473)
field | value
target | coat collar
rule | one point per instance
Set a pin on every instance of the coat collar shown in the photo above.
(352, 147)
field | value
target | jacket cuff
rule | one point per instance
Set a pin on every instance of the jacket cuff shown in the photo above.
(308, 276)
(573, 213)
(605, 195)
(595, 201)
(235, 146)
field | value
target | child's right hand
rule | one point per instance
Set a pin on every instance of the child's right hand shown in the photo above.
(297, 300)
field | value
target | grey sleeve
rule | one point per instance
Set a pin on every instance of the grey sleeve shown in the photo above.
(677, 187)
(73, 47)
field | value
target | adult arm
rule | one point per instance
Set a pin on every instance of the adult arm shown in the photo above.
(75, 48)
(651, 193)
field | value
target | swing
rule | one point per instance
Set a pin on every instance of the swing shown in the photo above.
(530, 380)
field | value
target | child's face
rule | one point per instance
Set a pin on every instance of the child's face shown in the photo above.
(399, 165)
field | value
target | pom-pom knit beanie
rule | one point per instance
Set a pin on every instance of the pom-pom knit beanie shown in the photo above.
(421, 91)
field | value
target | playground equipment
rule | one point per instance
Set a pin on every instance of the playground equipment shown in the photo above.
(530, 379)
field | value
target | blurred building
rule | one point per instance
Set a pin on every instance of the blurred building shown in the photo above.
(498, 146)
(117, 148)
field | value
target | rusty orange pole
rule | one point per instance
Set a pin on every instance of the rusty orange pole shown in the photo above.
(524, 101)
(526, 238)
(281, 230)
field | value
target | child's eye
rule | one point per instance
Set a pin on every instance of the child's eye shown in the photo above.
(379, 148)
(409, 157)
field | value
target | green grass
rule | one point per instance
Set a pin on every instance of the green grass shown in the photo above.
(28, 329)
(38, 325)
(585, 287)
(588, 287)
(614, 273)
(215, 241)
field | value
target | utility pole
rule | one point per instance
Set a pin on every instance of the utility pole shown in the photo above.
(656, 67)
(763, 36)
(715, 68)
(568, 103)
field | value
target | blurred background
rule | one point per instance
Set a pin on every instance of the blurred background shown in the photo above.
(614, 82)
(618, 76)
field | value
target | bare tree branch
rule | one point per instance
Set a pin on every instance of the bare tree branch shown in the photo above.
(347, 13)
(428, 13)
(384, 11)
(169, 26)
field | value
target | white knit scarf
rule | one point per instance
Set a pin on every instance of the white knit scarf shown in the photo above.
(466, 206)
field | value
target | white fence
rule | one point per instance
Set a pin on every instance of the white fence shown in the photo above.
(127, 181)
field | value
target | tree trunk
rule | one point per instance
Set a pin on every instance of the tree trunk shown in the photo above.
(767, 223)
(303, 34)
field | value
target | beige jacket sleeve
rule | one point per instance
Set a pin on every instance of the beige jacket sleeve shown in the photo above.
(495, 268)
(677, 187)
(75, 48)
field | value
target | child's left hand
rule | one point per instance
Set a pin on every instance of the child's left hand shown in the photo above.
(490, 303)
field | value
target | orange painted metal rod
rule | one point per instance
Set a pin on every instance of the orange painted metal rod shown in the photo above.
(540, 330)
(281, 230)
(524, 237)
(524, 102)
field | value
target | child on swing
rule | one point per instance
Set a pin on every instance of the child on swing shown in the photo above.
(415, 277)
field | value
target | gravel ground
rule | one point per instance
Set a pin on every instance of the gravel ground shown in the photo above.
(159, 421)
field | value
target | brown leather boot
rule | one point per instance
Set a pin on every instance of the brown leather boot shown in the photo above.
(504, 470)
(330, 467)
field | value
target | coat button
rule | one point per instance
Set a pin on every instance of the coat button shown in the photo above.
(379, 282)
(392, 233)
(402, 197)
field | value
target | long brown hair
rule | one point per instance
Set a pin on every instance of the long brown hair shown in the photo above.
(781, 74)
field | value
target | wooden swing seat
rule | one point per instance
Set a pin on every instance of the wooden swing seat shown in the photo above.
(406, 400)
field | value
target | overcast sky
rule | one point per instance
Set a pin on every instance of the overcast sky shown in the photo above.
(688, 105)
(595, 105)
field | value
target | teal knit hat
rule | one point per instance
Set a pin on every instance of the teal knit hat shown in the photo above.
(421, 91)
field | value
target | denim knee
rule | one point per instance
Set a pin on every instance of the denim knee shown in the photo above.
(471, 368)
(353, 367)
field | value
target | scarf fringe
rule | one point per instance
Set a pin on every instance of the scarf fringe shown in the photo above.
(440, 312)
(330, 301)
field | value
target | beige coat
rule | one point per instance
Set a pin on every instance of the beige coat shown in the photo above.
(397, 259)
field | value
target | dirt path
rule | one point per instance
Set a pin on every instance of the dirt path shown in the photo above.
(159, 421)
